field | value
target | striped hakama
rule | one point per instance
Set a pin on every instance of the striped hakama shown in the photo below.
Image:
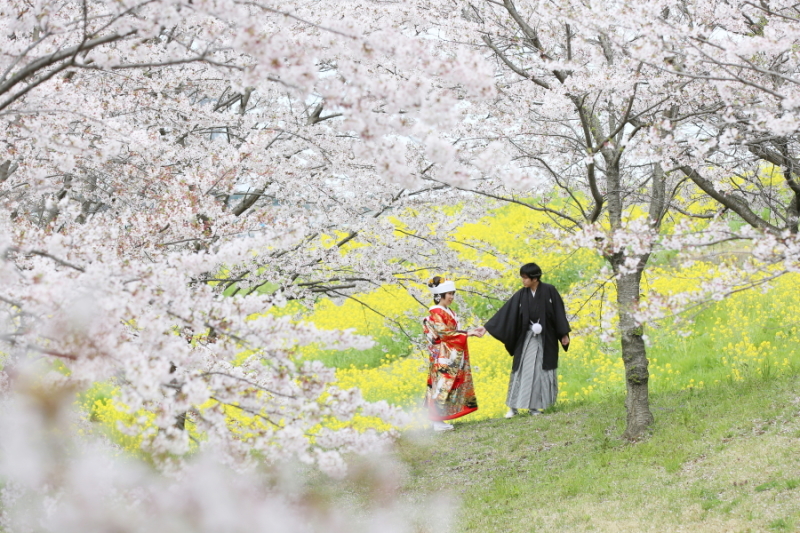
(530, 387)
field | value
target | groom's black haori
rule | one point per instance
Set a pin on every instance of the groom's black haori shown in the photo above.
(510, 324)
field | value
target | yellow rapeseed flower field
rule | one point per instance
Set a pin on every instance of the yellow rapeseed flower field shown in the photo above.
(746, 335)
(749, 335)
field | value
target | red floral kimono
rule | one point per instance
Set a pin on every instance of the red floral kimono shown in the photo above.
(450, 391)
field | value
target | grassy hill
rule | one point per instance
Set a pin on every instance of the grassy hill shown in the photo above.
(723, 458)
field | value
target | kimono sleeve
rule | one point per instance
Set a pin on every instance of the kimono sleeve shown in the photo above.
(505, 324)
(445, 330)
(560, 315)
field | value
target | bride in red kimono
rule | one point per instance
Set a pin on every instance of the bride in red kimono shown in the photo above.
(450, 391)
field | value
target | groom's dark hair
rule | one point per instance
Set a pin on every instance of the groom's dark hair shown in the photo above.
(531, 270)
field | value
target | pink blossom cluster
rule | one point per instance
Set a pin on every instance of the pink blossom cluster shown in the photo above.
(161, 153)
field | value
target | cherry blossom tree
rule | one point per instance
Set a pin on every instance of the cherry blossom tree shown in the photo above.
(745, 56)
(161, 154)
(158, 153)
(617, 120)
(571, 129)
(739, 147)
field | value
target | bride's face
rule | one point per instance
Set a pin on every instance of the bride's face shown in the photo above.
(447, 299)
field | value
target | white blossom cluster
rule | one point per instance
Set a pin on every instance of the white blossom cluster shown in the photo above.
(172, 172)
(56, 480)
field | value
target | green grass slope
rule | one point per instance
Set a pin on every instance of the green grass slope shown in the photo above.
(724, 458)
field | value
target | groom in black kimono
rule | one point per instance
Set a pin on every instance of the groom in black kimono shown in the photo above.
(537, 309)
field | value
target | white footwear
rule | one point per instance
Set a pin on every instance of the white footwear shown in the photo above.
(442, 426)
(533, 412)
(511, 413)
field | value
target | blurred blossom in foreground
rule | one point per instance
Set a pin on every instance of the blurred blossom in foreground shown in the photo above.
(55, 479)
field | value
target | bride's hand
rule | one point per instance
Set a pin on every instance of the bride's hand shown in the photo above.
(480, 331)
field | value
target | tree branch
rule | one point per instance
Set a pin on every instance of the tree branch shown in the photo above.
(512, 66)
(730, 201)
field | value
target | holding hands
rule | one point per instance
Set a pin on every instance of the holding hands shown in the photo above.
(480, 331)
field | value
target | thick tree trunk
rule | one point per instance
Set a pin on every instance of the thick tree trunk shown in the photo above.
(634, 353)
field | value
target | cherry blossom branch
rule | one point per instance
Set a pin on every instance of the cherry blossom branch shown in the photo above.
(512, 66)
(729, 201)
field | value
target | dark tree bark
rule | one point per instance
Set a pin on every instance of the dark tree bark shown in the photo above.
(634, 353)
